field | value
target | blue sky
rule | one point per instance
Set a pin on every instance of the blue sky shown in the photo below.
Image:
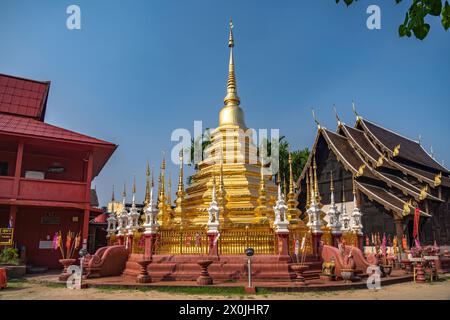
(137, 70)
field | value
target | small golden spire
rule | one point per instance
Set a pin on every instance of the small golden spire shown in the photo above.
(180, 191)
(169, 186)
(261, 182)
(112, 200)
(147, 185)
(316, 182)
(308, 191)
(124, 193)
(133, 190)
(153, 178)
(232, 97)
(291, 175)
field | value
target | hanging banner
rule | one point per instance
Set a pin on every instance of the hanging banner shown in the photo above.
(416, 222)
(6, 236)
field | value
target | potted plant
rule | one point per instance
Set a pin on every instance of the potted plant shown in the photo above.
(9, 256)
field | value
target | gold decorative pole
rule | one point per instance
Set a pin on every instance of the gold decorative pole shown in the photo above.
(316, 183)
(221, 197)
(262, 200)
(292, 202)
(179, 212)
(147, 186)
(308, 190)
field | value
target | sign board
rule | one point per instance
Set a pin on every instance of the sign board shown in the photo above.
(45, 244)
(6, 236)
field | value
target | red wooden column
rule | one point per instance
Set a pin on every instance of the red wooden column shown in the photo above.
(87, 199)
(18, 171)
(17, 174)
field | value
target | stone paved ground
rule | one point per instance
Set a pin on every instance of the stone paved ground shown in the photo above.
(30, 289)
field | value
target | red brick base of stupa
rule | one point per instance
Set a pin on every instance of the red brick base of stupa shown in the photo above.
(224, 268)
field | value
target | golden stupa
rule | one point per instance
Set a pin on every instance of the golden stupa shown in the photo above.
(245, 195)
(231, 163)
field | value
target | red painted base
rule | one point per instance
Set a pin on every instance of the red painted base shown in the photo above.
(229, 267)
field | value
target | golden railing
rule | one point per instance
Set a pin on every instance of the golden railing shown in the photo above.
(350, 238)
(112, 239)
(327, 238)
(138, 245)
(236, 240)
(181, 241)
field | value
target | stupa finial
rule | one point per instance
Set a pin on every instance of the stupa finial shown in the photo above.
(231, 98)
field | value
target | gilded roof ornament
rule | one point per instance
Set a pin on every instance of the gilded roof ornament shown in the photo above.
(315, 119)
(361, 170)
(423, 193)
(358, 117)
(396, 150)
(339, 122)
(438, 179)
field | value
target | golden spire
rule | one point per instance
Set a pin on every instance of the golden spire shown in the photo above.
(308, 191)
(316, 183)
(124, 193)
(331, 182)
(291, 175)
(169, 190)
(231, 98)
(262, 184)
(179, 214)
(262, 200)
(163, 179)
(147, 185)
(180, 191)
(112, 200)
(231, 113)
(292, 202)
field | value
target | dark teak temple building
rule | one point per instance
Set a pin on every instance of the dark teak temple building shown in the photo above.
(45, 172)
(390, 175)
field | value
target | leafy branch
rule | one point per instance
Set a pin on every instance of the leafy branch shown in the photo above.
(414, 22)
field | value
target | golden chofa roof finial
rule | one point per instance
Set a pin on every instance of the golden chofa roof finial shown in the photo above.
(231, 113)
(315, 119)
(358, 117)
(339, 122)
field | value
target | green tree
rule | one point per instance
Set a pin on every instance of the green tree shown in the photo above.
(414, 22)
(299, 158)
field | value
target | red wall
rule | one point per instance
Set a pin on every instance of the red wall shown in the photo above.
(30, 231)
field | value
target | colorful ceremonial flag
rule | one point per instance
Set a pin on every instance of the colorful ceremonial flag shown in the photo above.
(416, 222)
(216, 239)
(302, 247)
(55, 241)
(78, 241)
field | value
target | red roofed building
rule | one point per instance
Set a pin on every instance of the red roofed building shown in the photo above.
(45, 171)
